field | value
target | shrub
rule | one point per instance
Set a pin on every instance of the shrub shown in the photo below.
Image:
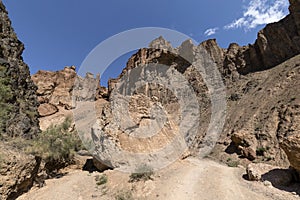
(232, 163)
(56, 146)
(19, 143)
(143, 172)
(260, 151)
(124, 195)
(101, 180)
(235, 97)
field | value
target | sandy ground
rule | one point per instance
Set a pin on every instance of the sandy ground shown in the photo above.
(188, 179)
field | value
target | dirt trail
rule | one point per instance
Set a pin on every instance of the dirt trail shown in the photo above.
(189, 179)
(77, 185)
(206, 180)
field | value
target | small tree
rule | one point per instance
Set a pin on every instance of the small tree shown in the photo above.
(56, 146)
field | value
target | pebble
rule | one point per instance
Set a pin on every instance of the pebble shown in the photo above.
(294, 193)
(267, 183)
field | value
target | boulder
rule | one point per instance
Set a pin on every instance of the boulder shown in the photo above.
(256, 170)
(291, 146)
(99, 165)
(17, 172)
(264, 172)
(47, 109)
(288, 132)
(246, 144)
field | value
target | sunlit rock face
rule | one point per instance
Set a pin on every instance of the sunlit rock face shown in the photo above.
(257, 91)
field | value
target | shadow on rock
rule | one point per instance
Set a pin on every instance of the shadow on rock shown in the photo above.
(92, 165)
(283, 179)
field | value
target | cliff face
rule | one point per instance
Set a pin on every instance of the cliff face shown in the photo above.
(19, 116)
(56, 90)
(262, 81)
(275, 43)
(272, 124)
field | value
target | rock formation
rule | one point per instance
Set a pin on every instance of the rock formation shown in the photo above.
(275, 43)
(288, 130)
(171, 76)
(261, 80)
(17, 171)
(19, 116)
(56, 90)
(273, 93)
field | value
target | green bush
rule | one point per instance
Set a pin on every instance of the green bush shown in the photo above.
(56, 146)
(101, 180)
(260, 151)
(143, 172)
(232, 163)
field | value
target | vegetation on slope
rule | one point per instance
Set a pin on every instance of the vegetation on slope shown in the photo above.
(56, 146)
(6, 95)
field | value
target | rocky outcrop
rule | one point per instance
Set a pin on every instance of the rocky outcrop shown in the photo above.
(246, 144)
(255, 101)
(17, 172)
(216, 52)
(288, 131)
(257, 112)
(261, 79)
(170, 75)
(291, 146)
(275, 43)
(57, 89)
(294, 11)
(262, 114)
(19, 116)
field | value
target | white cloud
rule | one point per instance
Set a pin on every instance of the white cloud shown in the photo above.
(211, 31)
(260, 12)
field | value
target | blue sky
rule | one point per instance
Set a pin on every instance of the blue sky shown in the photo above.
(59, 33)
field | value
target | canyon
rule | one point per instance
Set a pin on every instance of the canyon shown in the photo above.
(261, 125)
